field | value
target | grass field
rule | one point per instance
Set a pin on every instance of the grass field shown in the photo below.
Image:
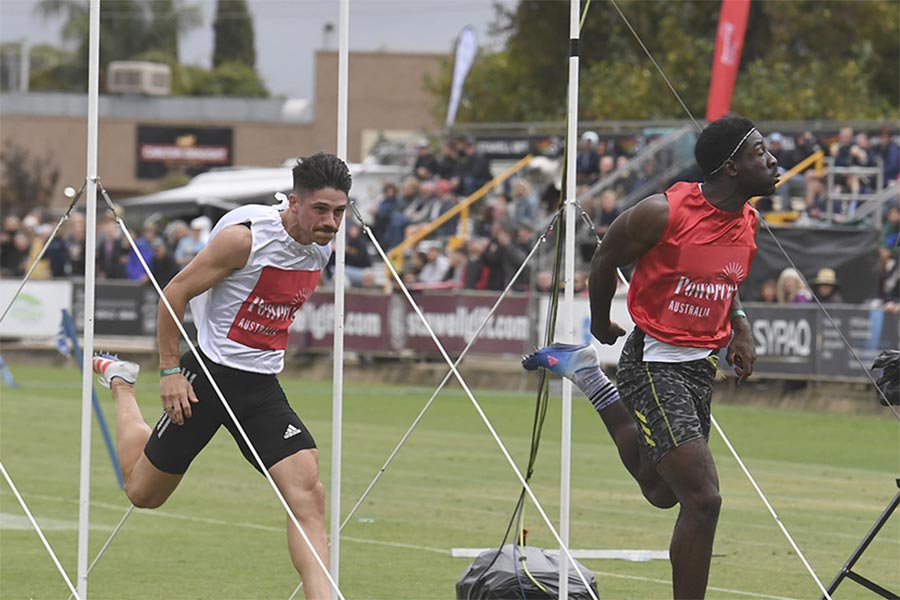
(221, 535)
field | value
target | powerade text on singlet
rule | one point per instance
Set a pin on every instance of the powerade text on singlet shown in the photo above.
(682, 287)
(242, 322)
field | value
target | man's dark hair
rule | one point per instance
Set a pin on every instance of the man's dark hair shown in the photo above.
(321, 171)
(721, 140)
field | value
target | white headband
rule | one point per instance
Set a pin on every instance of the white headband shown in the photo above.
(733, 152)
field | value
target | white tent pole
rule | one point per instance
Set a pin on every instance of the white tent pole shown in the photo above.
(84, 494)
(337, 406)
(569, 297)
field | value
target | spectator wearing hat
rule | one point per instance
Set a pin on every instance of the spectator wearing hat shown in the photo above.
(189, 245)
(437, 264)
(826, 285)
(587, 161)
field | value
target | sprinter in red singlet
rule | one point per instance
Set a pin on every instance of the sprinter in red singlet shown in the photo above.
(693, 246)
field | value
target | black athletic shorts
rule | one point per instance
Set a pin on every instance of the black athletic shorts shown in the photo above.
(257, 401)
(669, 401)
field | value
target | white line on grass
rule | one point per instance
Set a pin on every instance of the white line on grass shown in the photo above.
(9, 521)
(444, 551)
(170, 515)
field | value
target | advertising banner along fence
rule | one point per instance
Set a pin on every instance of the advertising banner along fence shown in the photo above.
(792, 340)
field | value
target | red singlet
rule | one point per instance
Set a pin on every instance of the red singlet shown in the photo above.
(682, 287)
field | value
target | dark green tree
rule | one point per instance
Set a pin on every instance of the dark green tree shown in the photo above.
(228, 79)
(129, 29)
(234, 38)
(54, 69)
(802, 59)
(167, 20)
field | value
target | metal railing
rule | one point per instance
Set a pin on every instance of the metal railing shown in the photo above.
(854, 198)
(395, 254)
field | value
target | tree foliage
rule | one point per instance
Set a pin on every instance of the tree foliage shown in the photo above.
(53, 69)
(228, 79)
(148, 30)
(802, 59)
(128, 30)
(27, 181)
(234, 39)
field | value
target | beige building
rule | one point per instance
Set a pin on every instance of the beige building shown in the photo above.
(386, 96)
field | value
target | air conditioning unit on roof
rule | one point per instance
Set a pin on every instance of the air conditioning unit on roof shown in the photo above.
(138, 77)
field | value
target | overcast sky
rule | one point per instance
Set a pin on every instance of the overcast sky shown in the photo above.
(288, 32)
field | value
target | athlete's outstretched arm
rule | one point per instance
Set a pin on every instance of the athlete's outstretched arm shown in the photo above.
(225, 253)
(632, 234)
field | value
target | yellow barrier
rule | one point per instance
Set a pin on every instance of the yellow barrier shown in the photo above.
(462, 209)
(788, 215)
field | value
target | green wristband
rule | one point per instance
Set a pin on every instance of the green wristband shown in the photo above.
(170, 371)
(738, 312)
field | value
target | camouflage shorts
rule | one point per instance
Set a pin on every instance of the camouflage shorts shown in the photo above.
(669, 401)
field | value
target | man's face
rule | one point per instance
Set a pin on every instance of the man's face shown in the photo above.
(319, 215)
(757, 168)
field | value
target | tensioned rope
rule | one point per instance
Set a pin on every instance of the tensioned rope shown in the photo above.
(764, 222)
(65, 217)
(37, 529)
(759, 491)
(756, 487)
(405, 291)
(109, 540)
(43, 251)
(475, 336)
(219, 393)
(240, 429)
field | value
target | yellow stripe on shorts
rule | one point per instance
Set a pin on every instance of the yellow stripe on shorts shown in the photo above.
(645, 428)
(659, 404)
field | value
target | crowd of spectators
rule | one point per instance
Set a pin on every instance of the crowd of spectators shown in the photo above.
(848, 149)
(503, 228)
(165, 252)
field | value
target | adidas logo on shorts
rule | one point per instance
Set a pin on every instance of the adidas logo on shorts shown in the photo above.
(291, 431)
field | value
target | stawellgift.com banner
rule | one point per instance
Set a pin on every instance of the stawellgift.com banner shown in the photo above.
(385, 323)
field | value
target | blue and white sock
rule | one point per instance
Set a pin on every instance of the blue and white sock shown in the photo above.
(594, 384)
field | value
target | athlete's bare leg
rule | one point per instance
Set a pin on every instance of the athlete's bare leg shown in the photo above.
(690, 471)
(145, 485)
(624, 432)
(580, 365)
(297, 476)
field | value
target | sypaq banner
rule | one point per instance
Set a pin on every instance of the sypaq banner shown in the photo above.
(376, 322)
(801, 340)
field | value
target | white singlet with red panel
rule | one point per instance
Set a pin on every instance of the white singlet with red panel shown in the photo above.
(242, 322)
